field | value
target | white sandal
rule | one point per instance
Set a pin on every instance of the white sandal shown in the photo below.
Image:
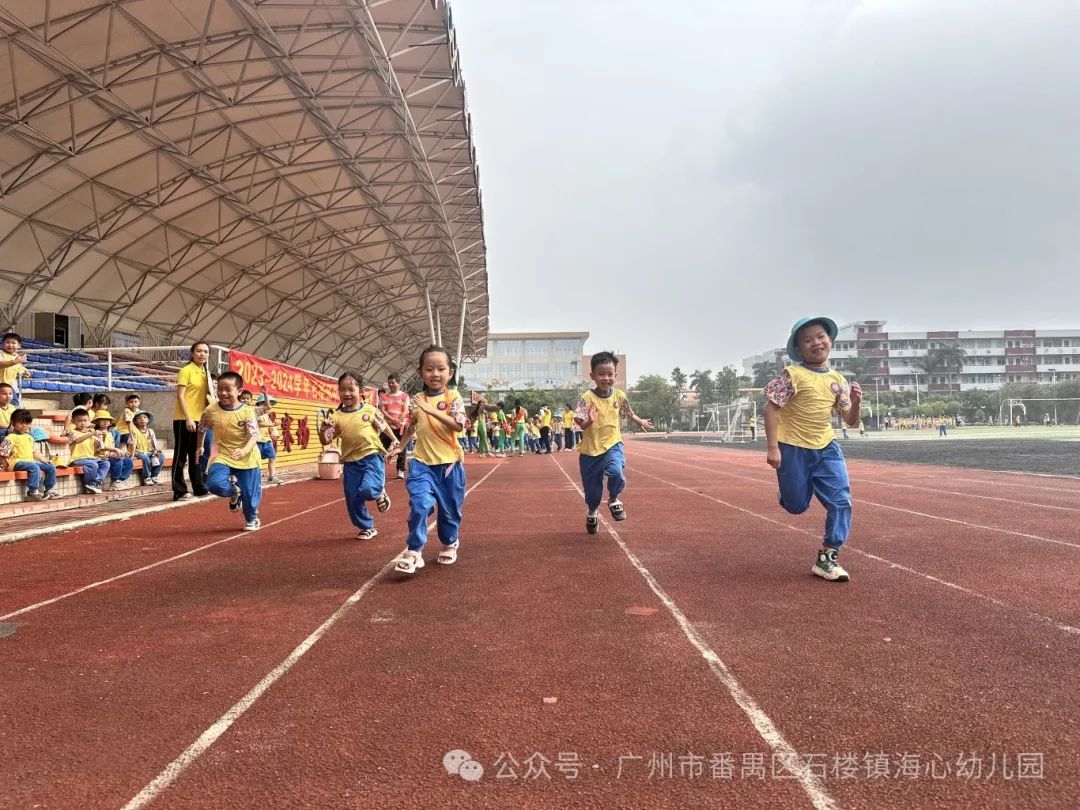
(448, 555)
(408, 562)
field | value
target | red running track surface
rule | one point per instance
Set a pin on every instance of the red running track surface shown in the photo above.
(688, 646)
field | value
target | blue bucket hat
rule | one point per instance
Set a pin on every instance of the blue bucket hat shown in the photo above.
(39, 435)
(792, 344)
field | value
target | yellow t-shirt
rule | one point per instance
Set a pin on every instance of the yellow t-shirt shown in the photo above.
(605, 432)
(10, 374)
(197, 390)
(106, 443)
(5, 414)
(22, 448)
(264, 427)
(232, 430)
(805, 419)
(123, 424)
(83, 449)
(568, 420)
(436, 443)
(545, 418)
(360, 431)
(142, 440)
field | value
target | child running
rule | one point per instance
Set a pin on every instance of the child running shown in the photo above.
(360, 426)
(236, 471)
(807, 459)
(597, 414)
(437, 473)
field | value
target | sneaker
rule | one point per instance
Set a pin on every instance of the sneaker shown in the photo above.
(253, 525)
(408, 562)
(617, 510)
(93, 489)
(592, 523)
(828, 568)
(187, 496)
(52, 495)
(275, 481)
(234, 499)
(382, 503)
(34, 495)
(448, 555)
(152, 481)
(368, 534)
(400, 474)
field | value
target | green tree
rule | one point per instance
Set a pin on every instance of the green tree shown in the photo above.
(653, 397)
(766, 371)
(678, 379)
(702, 382)
(726, 385)
(854, 368)
(950, 357)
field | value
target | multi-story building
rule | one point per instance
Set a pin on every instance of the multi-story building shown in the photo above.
(540, 360)
(991, 357)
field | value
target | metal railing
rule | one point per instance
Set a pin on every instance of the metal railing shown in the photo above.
(157, 363)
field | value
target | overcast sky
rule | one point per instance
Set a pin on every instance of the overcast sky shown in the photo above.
(684, 179)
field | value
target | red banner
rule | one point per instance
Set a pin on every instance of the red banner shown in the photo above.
(283, 381)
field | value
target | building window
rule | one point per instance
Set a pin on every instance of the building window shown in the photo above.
(570, 347)
(508, 371)
(509, 348)
(538, 348)
(565, 371)
(537, 371)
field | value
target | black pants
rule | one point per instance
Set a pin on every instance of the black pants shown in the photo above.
(401, 455)
(545, 438)
(568, 438)
(186, 452)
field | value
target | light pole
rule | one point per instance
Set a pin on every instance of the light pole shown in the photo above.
(877, 403)
(917, 403)
(1053, 381)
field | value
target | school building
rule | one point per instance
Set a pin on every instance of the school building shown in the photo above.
(991, 357)
(538, 360)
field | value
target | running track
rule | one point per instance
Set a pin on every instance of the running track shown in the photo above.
(290, 667)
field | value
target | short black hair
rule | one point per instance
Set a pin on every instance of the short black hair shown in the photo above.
(393, 377)
(6, 385)
(75, 414)
(22, 417)
(102, 399)
(81, 398)
(10, 335)
(232, 377)
(354, 376)
(600, 358)
(130, 397)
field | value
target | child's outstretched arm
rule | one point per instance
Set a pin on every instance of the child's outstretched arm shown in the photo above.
(628, 412)
(406, 437)
(851, 415)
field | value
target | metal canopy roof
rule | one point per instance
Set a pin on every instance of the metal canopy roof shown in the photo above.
(294, 178)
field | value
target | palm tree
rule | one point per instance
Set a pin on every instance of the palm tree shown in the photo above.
(678, 379)
(952, 356)
(702, 382)
(927, 364)
(766, 371)
(855, 367)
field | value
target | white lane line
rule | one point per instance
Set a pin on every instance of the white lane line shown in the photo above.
(111, 517)
(810, 783)
(152, 565)
(937, 491)
(175, 768)
(1065, 628)
(997, 529)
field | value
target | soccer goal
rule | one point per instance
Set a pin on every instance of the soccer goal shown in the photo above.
(1040, 410)
(734, 422)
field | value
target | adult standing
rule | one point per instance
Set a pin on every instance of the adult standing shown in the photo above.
(394, 403)
(520, 419)
(545, 428)
(192, 397)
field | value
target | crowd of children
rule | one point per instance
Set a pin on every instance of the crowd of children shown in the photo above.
(800, 404)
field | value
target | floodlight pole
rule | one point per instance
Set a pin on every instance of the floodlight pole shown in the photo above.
(877, 402)
(438, 326)
(430, 316)
(917, 403)
(461, 331)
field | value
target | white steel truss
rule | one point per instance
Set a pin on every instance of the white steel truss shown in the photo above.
(292, 177)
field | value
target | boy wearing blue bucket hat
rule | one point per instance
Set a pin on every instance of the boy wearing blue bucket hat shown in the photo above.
(798, 426)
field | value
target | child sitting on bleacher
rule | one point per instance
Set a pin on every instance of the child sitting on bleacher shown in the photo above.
(144, 446)
(12, 370)
(124, 425)
(18, 453)
(83, 443)
(102, 403)
(80, 401)
(7, 408)
(120, 463)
